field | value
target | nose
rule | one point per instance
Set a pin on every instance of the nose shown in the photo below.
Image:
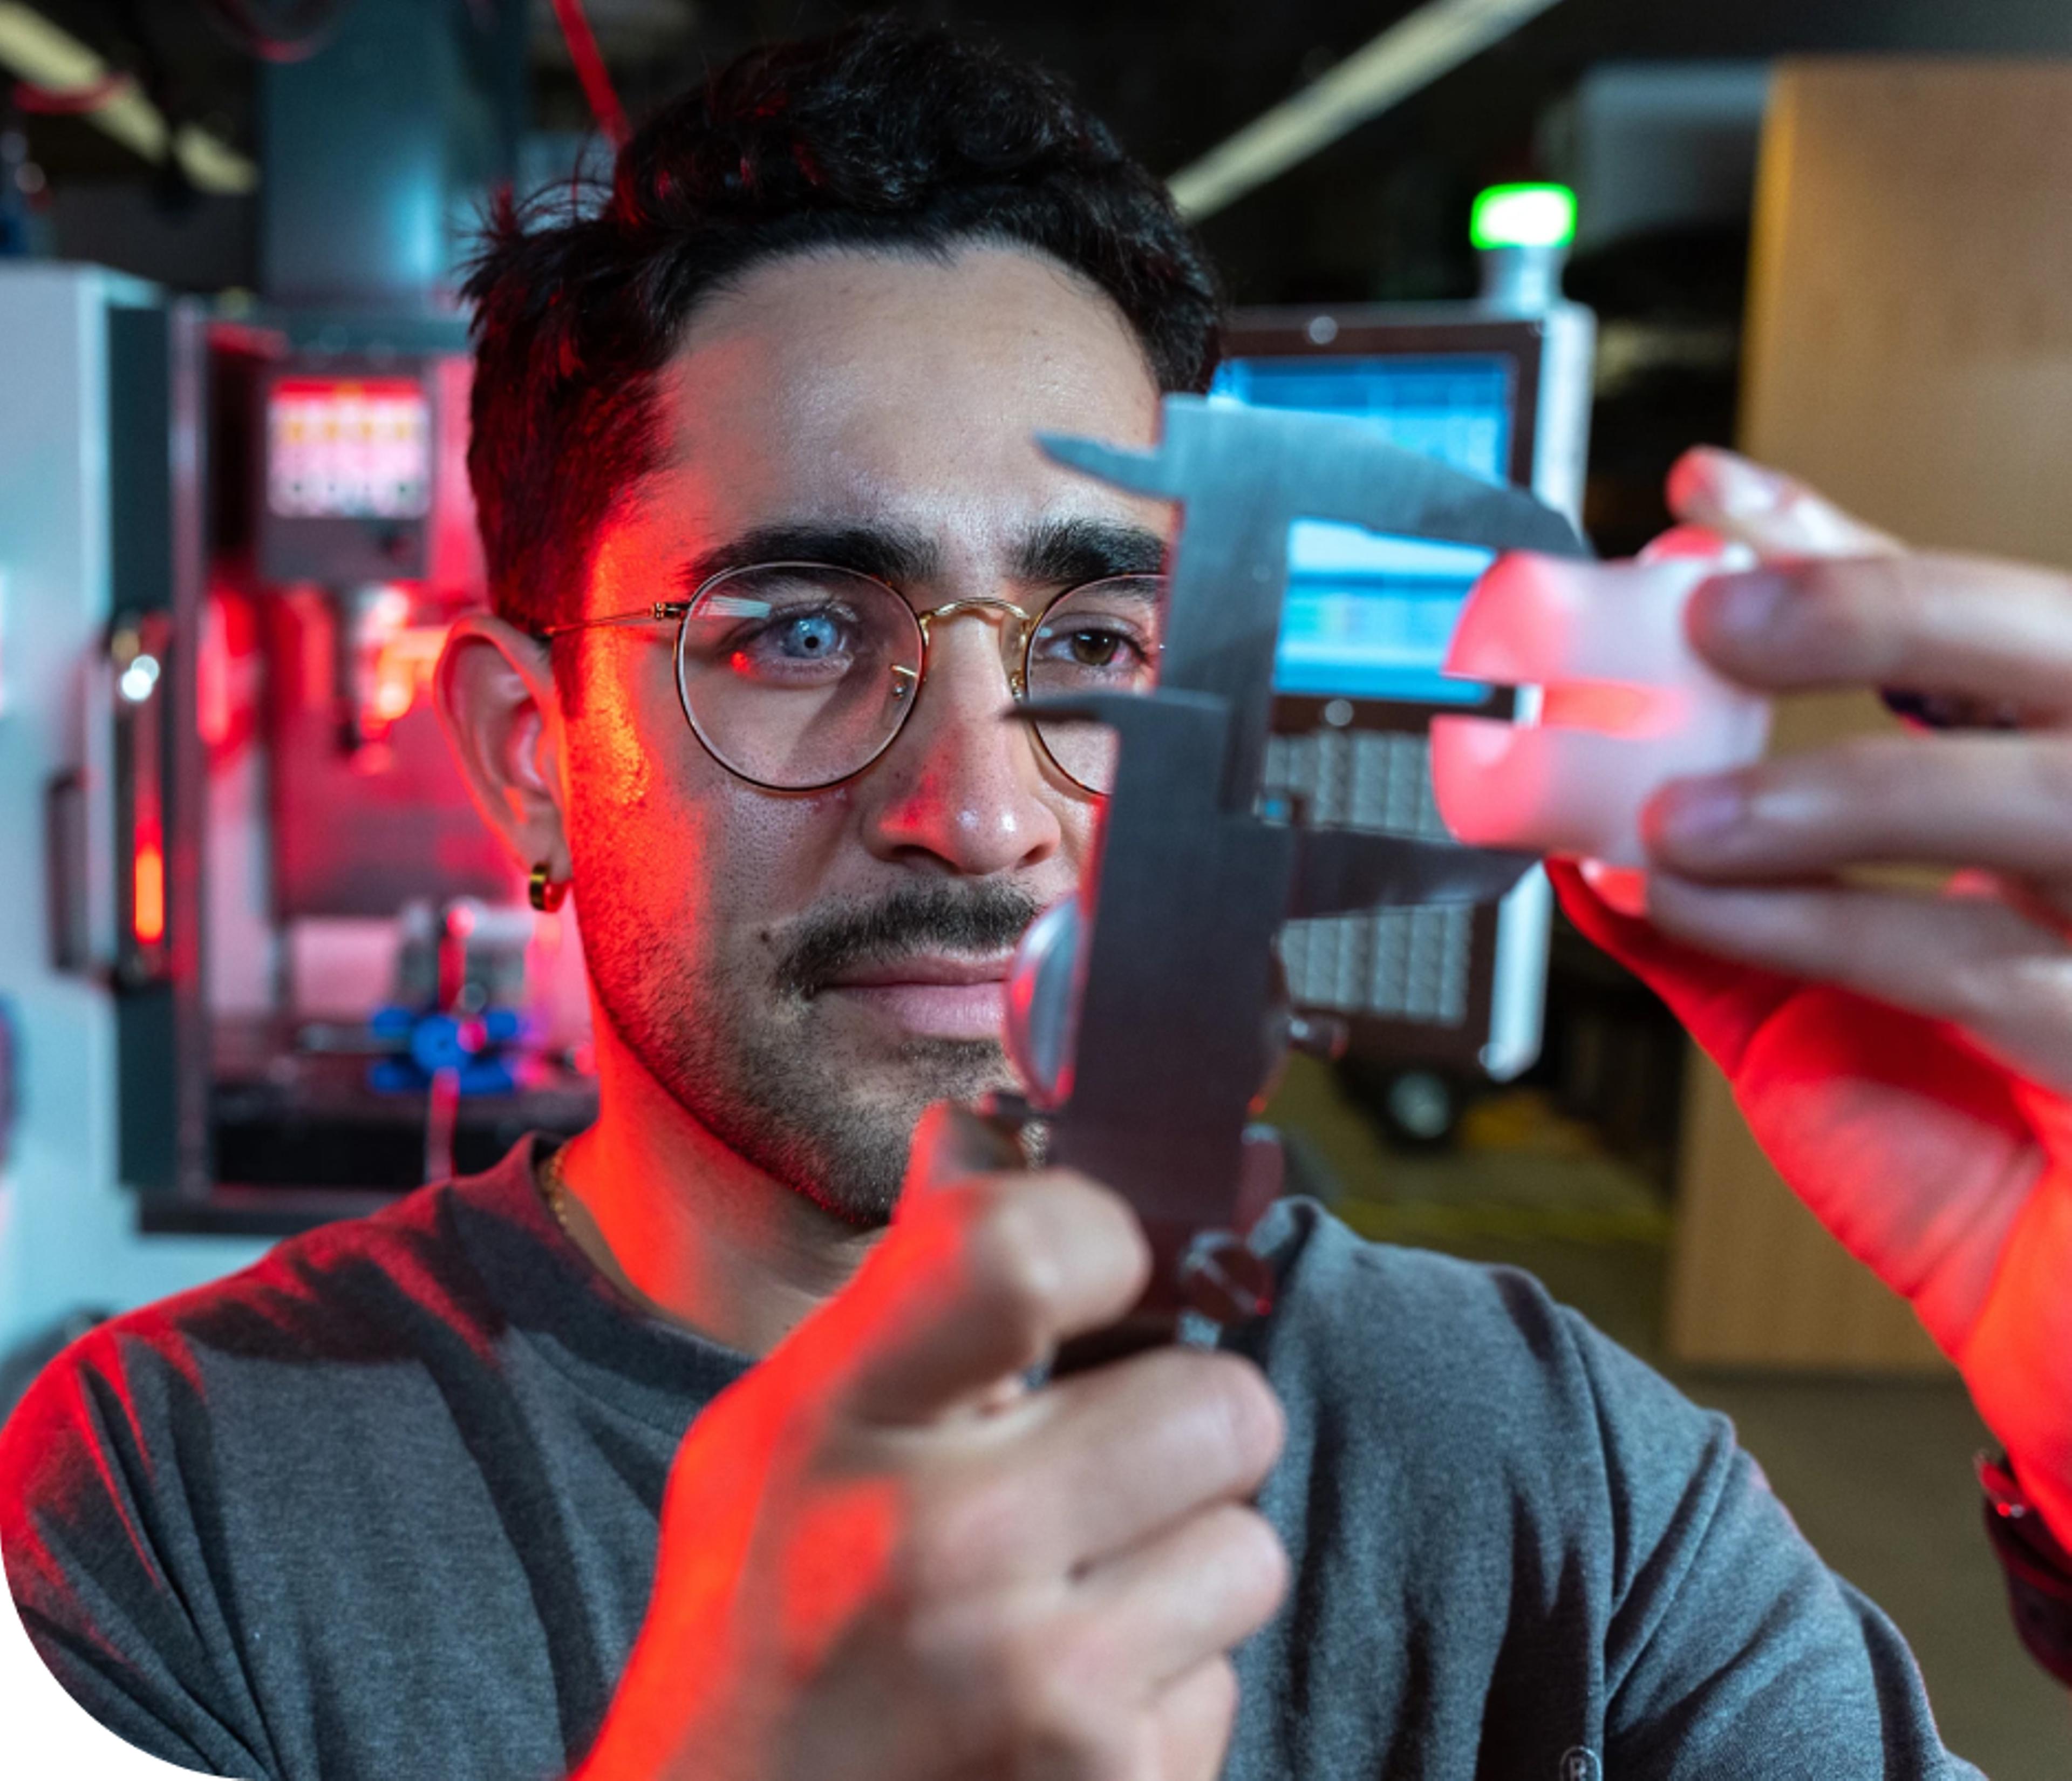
(962, 787)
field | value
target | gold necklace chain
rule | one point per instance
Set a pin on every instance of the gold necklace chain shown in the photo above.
(554, 1190)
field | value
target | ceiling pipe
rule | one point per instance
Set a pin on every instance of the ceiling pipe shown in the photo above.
(591, 71)
(60, 65)
(1408, 56)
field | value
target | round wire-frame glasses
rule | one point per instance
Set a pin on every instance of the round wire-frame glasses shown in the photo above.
(795, 677)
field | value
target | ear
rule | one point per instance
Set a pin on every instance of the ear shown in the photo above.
(493, 689)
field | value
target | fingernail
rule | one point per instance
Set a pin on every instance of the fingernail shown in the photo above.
(1622, 888)
(1740, 489)
(1698, 813)
(1743, 605)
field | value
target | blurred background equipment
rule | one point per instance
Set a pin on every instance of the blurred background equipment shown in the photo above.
(1428, 43)
(283, 969)
(59, 77)
(1502, 392)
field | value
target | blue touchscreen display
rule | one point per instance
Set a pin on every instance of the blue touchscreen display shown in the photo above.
(1368, 617)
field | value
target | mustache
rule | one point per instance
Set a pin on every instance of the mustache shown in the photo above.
(941, 916)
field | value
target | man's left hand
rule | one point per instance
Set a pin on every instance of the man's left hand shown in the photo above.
(1904, 1057)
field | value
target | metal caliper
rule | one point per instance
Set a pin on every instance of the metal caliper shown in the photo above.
(1146, 1013)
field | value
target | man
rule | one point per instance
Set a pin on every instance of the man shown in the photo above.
(662, 1457)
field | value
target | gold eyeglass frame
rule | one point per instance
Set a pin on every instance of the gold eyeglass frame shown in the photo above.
(908, 692)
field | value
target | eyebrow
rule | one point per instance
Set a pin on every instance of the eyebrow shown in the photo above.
(1061, 552)
(1067, 552)
(893, 553)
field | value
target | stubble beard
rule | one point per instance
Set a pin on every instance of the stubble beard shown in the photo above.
(757, 1056)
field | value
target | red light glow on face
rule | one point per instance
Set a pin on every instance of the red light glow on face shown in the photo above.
(896, 398)
(147, 897)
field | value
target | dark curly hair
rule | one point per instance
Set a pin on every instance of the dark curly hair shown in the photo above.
(881, 135)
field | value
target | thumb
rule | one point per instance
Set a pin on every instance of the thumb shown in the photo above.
(1776, 516)
(951, 1143)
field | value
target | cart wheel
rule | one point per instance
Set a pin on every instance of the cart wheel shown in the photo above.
(1421, 1109)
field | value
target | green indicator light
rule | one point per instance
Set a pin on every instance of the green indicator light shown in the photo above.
(1523, 216)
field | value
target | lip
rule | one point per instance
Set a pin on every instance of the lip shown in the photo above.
(945, 969)
(932, 995)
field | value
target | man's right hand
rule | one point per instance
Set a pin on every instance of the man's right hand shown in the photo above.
(883, 1560)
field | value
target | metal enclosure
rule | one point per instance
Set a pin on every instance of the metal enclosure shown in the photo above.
(85, 357)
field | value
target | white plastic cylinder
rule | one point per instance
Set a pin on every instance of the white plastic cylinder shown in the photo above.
(1625, 704)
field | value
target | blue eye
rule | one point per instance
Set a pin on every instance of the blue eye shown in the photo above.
(809, 637)
(808, 646)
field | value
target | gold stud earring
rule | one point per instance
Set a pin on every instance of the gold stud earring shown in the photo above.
(547, 892)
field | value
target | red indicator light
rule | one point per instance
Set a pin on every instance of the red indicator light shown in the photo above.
(147, 900)
(349, 448)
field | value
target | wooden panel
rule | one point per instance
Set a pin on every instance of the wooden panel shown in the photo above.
(1909, 351)
(1755, 1279)
(1910, 316)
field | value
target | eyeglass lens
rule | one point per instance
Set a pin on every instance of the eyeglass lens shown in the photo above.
(797, 675)
(1102, 638)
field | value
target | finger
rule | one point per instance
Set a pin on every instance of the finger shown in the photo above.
(952, 1142)
(1192, 1722)
(979, 1281)
(1956, 625)
(2046, 903)
(1172, 1603)
(1970, 960)
(2000, 802)
(1774, 514)
(1094, 1464)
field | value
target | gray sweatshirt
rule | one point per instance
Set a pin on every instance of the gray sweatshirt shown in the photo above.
(384, 1507)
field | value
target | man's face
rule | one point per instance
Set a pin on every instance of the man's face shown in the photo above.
(805, 972)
